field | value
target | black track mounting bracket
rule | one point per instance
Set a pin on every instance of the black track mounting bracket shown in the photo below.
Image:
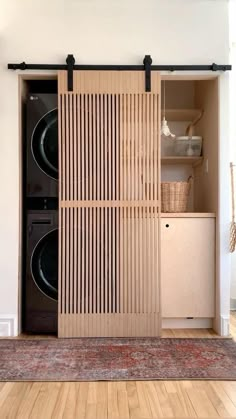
(147, 67)
(70, 61)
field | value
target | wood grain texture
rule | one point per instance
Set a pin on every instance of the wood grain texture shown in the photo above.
(124, 400)
(109, 205)
(188, 267)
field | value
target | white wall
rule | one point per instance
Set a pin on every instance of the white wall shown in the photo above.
(95, 31)
(233, 130)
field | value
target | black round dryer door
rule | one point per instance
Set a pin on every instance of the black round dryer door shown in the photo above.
(44, 264)
(45, 143)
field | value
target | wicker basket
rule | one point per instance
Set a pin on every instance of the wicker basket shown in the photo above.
(174, 196)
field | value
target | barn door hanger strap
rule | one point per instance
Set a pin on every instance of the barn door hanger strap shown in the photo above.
(147, 66)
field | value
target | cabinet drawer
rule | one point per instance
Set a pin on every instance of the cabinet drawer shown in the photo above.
(188, 267)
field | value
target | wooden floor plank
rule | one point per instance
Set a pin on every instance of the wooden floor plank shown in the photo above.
(46, 401)
(59, 408)
(230, 389)
(134, 408)
(102, 400)
(5, 391)
(227, 403)
(113, 410)
(184, 399)
(213, 397)
(91, 406)
(201, 402)
(70, 402)
(163, 397)
(81, 402)
(11, 405)
(122, 400)
(28, 401)
(153, 400)
(144, 406)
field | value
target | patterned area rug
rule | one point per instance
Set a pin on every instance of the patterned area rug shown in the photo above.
(117, 359)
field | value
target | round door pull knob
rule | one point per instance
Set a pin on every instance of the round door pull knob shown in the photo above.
(167, 225)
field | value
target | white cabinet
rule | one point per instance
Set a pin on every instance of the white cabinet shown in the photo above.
(188, 267)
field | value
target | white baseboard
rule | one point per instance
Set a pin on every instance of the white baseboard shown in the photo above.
(187, 323)
(224, 325)
(8, 325)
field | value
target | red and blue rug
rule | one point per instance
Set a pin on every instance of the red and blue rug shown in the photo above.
(92, 359)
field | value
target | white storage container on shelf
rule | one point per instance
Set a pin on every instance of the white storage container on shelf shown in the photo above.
(188, 146)
(167, 146)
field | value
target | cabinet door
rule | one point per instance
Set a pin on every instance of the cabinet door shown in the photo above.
(188, 267)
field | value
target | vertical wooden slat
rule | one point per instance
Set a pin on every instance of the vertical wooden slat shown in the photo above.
(102, 139)
(75, 193)
(109, 197)
(79, 261)
(98, 257)
(148, 147)
(82, 260)
(150, 124)
(114, 169)
(71, 267)
(90, 148)
(102, 255)
(106, 260)
(106, 173)
(117, 196)
(151, 147)
(71, 164)
(121, 197)
(99, 210)
(110, 270)
(143, 148)
(126, 259)
(132, 182)
(128, 182)
(71, 186)
(87, 259)
(82, 148)
(67, 182)
(61, 210)
(86, 139)
(143, 220)
(67, 175)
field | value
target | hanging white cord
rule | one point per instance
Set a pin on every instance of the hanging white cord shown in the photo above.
(165, 130)
(164, 99)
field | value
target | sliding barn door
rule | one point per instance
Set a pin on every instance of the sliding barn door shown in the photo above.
(109, 205)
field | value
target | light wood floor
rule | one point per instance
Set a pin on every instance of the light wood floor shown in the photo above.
(123, 400)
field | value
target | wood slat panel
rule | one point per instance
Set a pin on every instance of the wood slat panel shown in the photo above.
(111, 325)
(109, 206)
(104, 82)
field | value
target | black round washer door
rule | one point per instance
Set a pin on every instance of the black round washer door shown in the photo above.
(44, 264)
(45, 143)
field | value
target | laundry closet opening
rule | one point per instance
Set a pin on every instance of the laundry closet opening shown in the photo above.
(38, 300)
(92, 163)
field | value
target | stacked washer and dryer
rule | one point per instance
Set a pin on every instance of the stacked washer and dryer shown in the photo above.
(41, 196)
